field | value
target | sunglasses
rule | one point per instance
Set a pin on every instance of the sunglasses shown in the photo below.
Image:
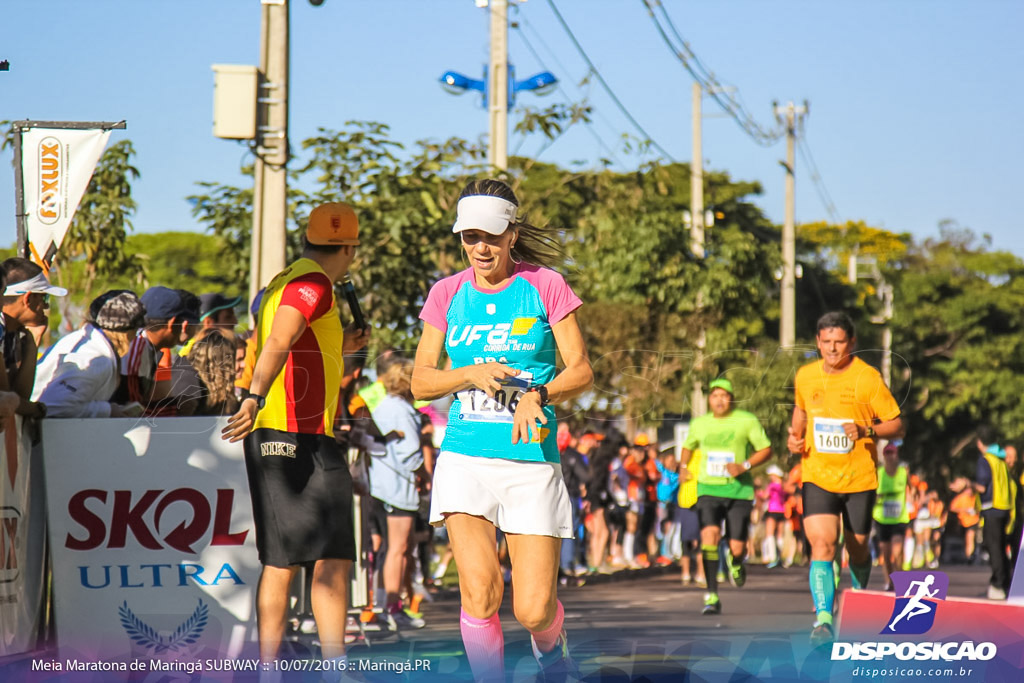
(477, 236)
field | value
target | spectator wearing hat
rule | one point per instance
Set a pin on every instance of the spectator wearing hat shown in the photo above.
(300, 484)
(25, 302)
(169, 321)
(80, 373)
(216, 312)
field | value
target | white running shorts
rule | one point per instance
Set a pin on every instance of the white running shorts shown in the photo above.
(517, 496)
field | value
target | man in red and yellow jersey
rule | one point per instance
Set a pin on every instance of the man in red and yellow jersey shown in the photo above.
(842, 406)
(298, 478)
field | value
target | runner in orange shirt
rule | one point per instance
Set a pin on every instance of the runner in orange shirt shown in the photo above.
(842, 406)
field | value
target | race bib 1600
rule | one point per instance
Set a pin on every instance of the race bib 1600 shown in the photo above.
(830, 437)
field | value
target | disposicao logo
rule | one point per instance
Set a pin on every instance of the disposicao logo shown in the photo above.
(914, 613)
(918, 596)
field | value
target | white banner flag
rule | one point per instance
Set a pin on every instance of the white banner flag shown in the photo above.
(56, 165)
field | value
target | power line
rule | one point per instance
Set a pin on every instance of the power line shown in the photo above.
(604, 84)
(569, 100)
(730, 103)
(564, 69)
(819, 182)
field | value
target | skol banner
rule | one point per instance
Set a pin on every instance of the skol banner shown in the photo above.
(22, 524)
(151, 533)
(56, 166)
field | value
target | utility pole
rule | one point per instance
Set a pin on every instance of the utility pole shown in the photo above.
(787, 327)
(497, 89)
(270, 189)
(697, 403)
(697, 178)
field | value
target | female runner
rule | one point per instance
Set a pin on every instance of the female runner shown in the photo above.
(501, 322)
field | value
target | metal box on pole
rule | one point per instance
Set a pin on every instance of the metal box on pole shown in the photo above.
(234, 101)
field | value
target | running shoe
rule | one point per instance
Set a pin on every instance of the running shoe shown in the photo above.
(402, 620)
(773, 564)
(685, 579)
(700, 581)
(712, 605)
(556, 665)
(737, 571)
(821, 634)
(996, 593)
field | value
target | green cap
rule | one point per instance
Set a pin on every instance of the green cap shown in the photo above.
(721, 383)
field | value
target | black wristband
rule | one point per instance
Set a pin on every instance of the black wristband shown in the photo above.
(261, 401)
(543, 391)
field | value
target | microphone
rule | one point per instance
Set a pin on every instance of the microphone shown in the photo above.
(353, 302)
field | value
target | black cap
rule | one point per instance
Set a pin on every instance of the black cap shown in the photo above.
(213, 302)
(164, 303)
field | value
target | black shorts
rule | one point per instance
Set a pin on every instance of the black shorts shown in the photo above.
(713, 509)
(779, 517)
(886, 532)
(384, 510)
(689, 526)
(856, 508)
(301, 493)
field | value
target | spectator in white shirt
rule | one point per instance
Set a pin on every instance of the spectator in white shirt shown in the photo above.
(80, 373)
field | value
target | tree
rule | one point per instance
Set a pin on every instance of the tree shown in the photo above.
(959, 344)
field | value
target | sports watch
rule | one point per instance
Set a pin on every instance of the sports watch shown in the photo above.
(543, 391)
(261, 401)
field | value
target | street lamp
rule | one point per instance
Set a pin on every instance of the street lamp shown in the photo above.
(541, 83)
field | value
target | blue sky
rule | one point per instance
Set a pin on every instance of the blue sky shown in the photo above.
(915, 106)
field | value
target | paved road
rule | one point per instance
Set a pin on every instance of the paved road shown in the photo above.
(645, 625)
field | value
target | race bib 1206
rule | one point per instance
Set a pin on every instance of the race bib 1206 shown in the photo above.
(477, 406)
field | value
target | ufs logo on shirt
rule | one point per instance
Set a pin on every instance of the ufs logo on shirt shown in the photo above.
(921, 593)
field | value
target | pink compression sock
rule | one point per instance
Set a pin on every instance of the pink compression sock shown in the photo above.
(548, 638)
(485, 646)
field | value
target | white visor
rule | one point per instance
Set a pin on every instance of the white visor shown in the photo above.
(483, 212)
(38, 284)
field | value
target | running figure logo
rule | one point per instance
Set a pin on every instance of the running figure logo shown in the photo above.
(915, 612)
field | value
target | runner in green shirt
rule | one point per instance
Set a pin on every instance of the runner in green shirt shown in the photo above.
(732, 441)
(890, 512)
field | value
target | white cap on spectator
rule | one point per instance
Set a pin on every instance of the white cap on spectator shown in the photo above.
(37, 285)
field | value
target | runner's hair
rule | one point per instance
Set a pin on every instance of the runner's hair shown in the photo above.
(539, 246)
(213, 357)
(837, 319)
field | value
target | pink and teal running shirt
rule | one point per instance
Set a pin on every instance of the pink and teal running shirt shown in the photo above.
(511, 325)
